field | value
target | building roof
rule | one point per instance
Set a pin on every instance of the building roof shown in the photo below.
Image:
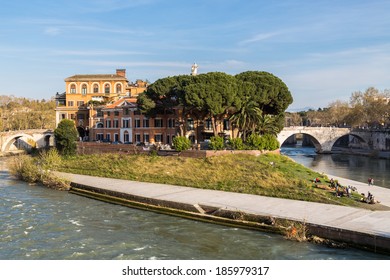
(122, 102)
(95, 77)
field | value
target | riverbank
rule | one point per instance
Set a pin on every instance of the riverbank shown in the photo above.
(357, 227)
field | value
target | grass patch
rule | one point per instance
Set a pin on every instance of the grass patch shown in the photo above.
(268, 175)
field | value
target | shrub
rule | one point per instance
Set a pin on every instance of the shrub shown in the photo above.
(217, 143)
(270, 142)
(236, 143)
(50, 159)
(31, 170)
(24, 168)
(255, 141)
(181, 143)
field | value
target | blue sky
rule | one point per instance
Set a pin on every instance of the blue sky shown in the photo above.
(322, 50)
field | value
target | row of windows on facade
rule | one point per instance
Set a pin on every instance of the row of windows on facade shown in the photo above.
(159, 123)
(95, 89)
(138, 138)
(126, 123)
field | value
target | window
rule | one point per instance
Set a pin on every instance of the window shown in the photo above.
(146, 138)
(115, 124)
(99, 136)
(126, 137)
(208, 125)
(70, 103)
(73, 88)
(158, 137)
(108, 123)
(106, 88)
(125, 123)
(116, 113)
(137, 112)
(190, 124)
(126, 111)
(95, 88)
(99, 125)
(158, 123)
(108, 137)
(137, 123)
(145, 122)
(116, 137)
(108, 113)
(99, 113)
(118, 88)
(171, 123)
(168, 139)
(80, 116)
(138, 138)
(226, 124)
(80, 103)
(84, 89)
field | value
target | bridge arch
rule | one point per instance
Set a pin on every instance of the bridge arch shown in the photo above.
(21, 141)
(313, 139)
(357, 142)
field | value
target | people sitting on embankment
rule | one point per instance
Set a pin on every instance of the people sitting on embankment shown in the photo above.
(341, 191)
(370, 199)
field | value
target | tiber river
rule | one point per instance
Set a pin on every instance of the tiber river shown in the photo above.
(38, 223)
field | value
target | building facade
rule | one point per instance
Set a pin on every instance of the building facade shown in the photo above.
(123, 122)
(85, 94)
(104, 108)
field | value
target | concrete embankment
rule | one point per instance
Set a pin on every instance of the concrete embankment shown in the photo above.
(358, 227)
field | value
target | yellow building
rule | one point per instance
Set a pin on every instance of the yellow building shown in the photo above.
(84, 93)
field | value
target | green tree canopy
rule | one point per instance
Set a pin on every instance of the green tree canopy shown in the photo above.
(252, 94)
(66, 136)
(269, 92)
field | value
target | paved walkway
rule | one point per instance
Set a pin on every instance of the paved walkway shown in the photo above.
(348, 218)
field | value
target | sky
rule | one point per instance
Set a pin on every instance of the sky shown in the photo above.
(323, 50)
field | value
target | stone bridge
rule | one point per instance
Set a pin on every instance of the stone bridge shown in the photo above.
(26, 139)
(324, 138)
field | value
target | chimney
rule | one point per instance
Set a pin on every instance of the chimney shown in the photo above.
(121, 72)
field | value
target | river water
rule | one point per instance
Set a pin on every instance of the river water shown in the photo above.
(354, 167)
(38, 223)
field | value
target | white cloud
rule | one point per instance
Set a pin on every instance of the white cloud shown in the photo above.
(52, 31)
(259, 37)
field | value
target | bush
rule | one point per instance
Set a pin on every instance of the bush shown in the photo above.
(50, 159)
(255, 141)
(262, 142)
(31, 170)
(217, 143)
(181, 143)
(24, 168)
(236, 143)
(270, 142)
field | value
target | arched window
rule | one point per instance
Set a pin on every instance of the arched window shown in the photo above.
(99, 125)
(95, 88)
(118, 88)
(84, 89)
(73, 88)
(107, 88)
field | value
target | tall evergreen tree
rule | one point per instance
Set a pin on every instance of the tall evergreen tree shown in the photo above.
(66, 136)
